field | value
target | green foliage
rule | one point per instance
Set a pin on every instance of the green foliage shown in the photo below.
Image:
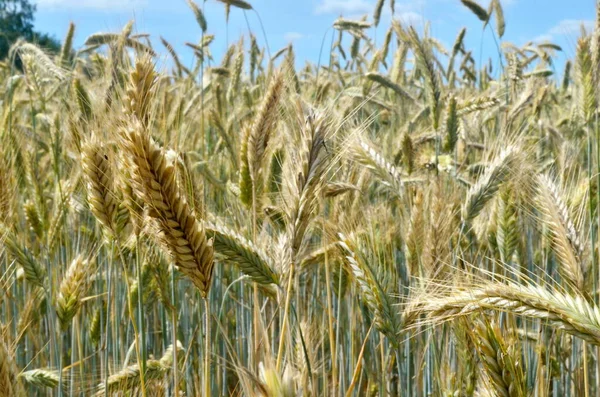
(16, 21)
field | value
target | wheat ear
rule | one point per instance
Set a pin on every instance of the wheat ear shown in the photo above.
(99, 179)
(183, 235)
(501, 365)
(489, 183)
(41, 378)
(243, 253)
(389, 175)
(376, 299)
(263, 125)
(569, 312)
(563, 235)
(128, 380)
(34, 271)
(6, 192)
(72, 290)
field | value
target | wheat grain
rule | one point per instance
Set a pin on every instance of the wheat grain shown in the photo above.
(71, 291)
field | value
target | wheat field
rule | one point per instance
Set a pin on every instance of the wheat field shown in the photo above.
(397, 220)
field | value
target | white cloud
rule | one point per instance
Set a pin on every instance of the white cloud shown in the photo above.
(90, 4)
(344, 7)
(409, 18)
(571, 27)
(542, 38)
(566, 27)
(405, 10)
(292, 36)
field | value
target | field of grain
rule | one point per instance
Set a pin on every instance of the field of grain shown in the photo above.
(398, 220)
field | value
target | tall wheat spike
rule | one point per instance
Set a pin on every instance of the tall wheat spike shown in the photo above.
(40, 378)
(182, 233)
(72, 288)
(425, 62)
(6, 192)
(489, 183)
(100, 183)
(564, 236)
(477, 9)
(263, 125)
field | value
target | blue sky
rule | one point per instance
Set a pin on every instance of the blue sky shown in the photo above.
(306, 22)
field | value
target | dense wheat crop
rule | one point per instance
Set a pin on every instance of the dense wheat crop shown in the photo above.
(397, 220)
